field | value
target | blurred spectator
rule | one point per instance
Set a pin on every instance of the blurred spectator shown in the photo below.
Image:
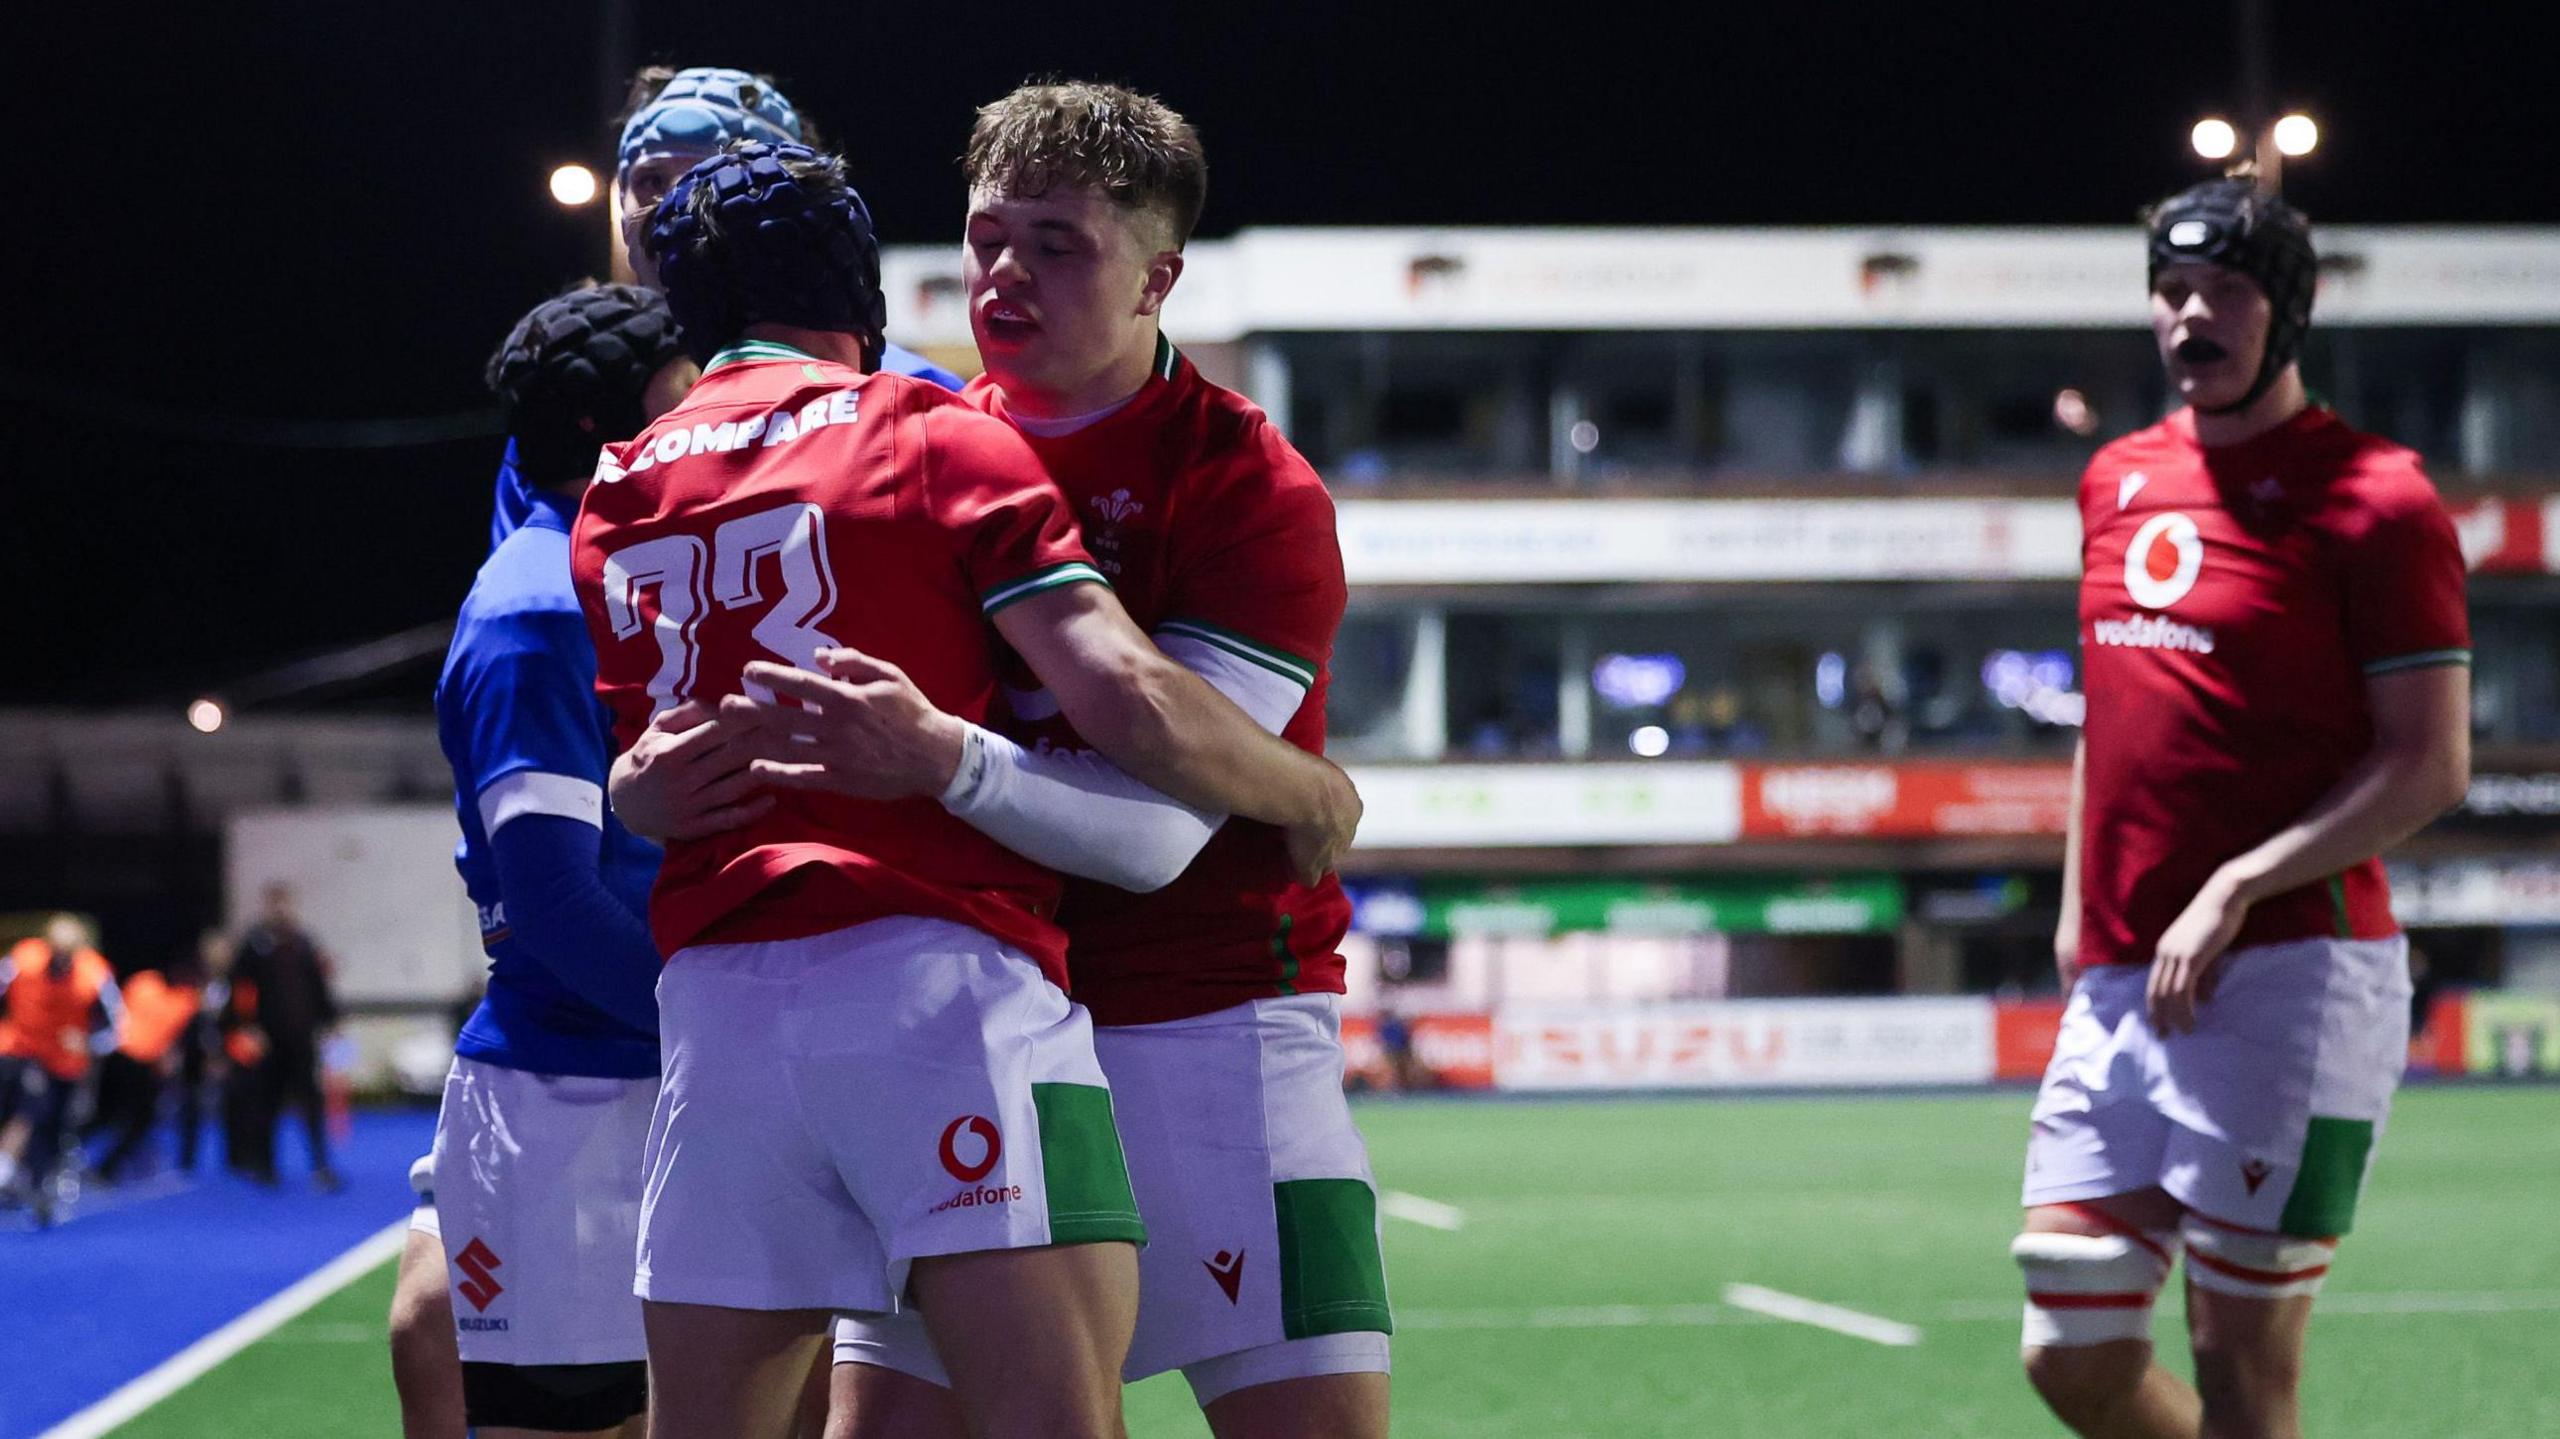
(60, 999)
(159, 1011)
(2424, 985)
(200, 1058)
(1713, 723)
(1874, 714)
(281, 1010)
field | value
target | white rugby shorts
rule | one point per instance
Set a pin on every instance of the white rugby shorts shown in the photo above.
(2264, 1116)
(537, 1195)
(1264, 1259)
(837, 1107)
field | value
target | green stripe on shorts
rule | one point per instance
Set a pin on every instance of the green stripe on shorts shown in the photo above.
(1332, 1278)
(2330, 1177)
(1088, 1176)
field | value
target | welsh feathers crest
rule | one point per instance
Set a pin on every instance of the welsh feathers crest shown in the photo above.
(1117, 506)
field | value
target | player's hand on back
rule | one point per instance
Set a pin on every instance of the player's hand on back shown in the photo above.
(861, 728)
(687, 777)
(2187, 964)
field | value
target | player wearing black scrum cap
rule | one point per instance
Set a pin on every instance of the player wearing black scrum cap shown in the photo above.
(524, 1246)
(2277, 664)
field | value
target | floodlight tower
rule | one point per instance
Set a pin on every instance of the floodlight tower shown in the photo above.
(2271, 138)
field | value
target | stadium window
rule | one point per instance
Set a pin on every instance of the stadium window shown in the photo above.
(1364, 707)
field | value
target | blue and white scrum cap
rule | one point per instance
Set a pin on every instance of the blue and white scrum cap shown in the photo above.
(703, 110)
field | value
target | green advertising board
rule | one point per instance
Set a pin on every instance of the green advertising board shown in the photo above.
(1843, 904)
(2513, 1035)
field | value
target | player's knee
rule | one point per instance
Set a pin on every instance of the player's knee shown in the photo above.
(2085, 1386)
(421, 1316)
(561, 1398)
(2246, 1388)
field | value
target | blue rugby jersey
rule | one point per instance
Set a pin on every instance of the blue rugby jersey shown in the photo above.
(517, 713)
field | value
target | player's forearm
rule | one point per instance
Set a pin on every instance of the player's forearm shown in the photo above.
(1170, 731)
(1077, 813)
(559, 907)
(2390, 794)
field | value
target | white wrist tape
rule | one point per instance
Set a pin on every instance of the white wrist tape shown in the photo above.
(971, 777)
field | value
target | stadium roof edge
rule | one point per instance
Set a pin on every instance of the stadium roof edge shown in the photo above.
(1314, 280)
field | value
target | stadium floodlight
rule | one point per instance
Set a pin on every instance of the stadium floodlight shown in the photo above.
(573, 185)
(2214, 138)
(206, 715)
(2297, 134)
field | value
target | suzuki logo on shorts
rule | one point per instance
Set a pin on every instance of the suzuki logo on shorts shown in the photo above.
(1228, 1270)
(2158, 579)
(2254, 1173)
(479, 1265)
(990, 1146)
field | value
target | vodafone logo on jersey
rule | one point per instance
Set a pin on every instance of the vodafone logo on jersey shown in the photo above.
(2162, 563)
(971, 1134)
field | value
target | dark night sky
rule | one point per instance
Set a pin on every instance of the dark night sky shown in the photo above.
(329, 212)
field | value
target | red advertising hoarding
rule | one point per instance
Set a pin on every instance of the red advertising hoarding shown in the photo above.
(1911, 800)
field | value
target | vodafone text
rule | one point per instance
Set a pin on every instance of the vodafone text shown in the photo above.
(977, 1195)
(2152, 632)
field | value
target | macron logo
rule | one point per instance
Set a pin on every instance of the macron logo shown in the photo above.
(1228, 1270)
(2130, 486)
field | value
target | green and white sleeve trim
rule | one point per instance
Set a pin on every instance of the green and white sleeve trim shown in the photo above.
(1070, 572)
(1278, 661)
(2423, 659)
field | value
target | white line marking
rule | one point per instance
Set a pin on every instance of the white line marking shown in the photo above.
(1800, 1310)
(1585, 1316)
(183, 1367)
(1414, 1209)
(2383, 1305)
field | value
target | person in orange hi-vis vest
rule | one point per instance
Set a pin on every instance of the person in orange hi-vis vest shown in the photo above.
(58, 1006)
(157, 1011)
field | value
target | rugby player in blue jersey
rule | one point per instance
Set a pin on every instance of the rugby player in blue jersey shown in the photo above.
(537, 1156)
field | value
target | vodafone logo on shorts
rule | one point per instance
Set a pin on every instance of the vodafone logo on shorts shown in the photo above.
(981, 1140)
(2162, 563)
(971, 1146)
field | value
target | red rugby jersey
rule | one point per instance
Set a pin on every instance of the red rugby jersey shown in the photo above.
(789, 505)
(2233, 602)
(1213, 527)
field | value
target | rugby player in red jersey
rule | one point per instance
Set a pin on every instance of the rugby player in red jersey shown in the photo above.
(2277, 662)
(875, 1091)
(1215, 984)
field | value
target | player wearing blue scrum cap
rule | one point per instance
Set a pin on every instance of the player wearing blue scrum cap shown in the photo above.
(679, 117)
(673, 119)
